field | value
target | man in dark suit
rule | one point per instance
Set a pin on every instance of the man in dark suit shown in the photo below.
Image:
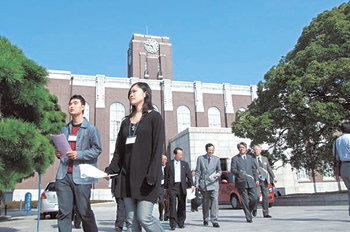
(244, 167)
(208, 171)
(177, 178)
(266, 176)
(161, 198)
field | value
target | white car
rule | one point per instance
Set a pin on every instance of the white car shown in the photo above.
(49, 203)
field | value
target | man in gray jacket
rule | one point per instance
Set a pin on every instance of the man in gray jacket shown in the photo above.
(244, 167)
(208, 171)
(85, 142)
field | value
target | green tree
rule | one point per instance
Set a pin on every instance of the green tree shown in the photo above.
(304, 98)
(28, 114)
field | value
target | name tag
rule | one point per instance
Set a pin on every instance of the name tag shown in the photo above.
(72, 138)
(130, 139)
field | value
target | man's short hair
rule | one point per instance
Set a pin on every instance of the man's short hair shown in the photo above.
(241, 143)
(345, 127)
(77, 96)
(177, 149)
(208, 145)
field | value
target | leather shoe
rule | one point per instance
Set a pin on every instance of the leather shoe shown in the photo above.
(181, 226)
(254, 212)
(267, 216)
(205, 223)
(249, 220)
(166, 218)
(160, 218)
(172, 228)
(216, 225)
(118, 229)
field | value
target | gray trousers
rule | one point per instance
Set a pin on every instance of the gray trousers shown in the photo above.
(264, 190)
(345, 175)
(210, 203)
(67, 192)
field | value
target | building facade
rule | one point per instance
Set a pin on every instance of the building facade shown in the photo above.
(194, 113)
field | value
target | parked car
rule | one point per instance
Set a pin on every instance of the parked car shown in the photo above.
(48, 201)
(229, 195)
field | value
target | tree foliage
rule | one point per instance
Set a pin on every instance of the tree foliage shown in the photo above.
(304, 98)
(29, 113)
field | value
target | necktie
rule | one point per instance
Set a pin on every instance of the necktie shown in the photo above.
(260, 163)
(209, 160)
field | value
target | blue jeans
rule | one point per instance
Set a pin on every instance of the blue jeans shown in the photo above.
(139, 213)
(67, 191)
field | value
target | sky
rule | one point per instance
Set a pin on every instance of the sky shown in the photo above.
(215, 41)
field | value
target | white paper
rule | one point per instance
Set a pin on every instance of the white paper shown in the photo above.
(61, 144)
(213, 177)
(88, 170)
(191, 194)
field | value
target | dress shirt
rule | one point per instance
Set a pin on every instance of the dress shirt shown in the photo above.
(244, 156)
(342, 144)
(258, 159)
(162, 181)
(177, 169)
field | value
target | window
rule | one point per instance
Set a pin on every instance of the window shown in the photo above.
(87, 111)
(214, 117)
(117, 113)
(183, 118)
(302, 174)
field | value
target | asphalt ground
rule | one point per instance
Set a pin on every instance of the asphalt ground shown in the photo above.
(284, 218)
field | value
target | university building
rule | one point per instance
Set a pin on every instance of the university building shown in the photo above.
(194, 113)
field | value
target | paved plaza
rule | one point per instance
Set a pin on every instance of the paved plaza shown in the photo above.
(284, 218)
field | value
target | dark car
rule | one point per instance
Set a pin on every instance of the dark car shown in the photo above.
(228, 193)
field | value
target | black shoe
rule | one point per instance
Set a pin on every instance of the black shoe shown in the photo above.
(172, 227)
(166, 218)
(160, 218)
(249, 220)
(181, 226)
(216, 225)
(118, 229)
(254, 212)
(205, 223)
(267, 216)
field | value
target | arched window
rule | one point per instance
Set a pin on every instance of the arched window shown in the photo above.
(183, 118)
(214, 117)
(87, 111)
(117, 113)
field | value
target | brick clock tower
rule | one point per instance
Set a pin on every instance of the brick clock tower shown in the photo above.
(149, 57)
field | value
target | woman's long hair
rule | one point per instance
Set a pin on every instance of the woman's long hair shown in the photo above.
(147, 104)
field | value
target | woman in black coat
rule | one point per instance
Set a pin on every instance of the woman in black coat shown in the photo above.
(137, 158)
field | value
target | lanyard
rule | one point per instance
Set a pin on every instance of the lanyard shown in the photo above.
(134, 127)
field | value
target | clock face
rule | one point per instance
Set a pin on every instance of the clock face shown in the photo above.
(151, 45)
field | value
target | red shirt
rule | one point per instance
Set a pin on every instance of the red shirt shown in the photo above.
(73, 144)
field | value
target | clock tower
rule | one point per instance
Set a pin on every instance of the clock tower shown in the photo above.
(149, 57)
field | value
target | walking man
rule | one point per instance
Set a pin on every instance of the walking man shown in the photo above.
(208, 171)
(244, 167)
(177, 178)
(266, 176)
(341, 150)
(84, 139)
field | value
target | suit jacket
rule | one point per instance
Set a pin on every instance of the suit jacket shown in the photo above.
(249, 167)
(205, 171)
(267, 167)
(186, 175)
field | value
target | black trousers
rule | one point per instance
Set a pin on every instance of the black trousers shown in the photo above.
(177, 211)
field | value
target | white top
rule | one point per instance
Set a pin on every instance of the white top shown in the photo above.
(177, 168)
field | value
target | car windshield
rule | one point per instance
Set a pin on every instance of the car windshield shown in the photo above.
(51, 187)
(228, 176)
